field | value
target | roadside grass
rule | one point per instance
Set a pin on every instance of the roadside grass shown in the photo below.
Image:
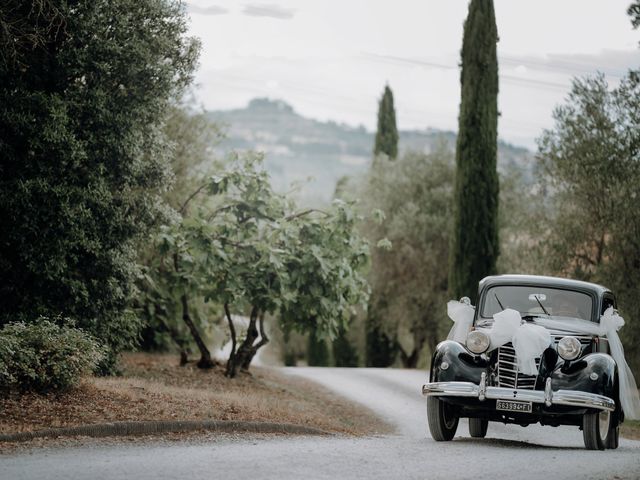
(631, 429)
(154, 387)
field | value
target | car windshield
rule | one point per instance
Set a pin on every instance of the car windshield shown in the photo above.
(531, 300)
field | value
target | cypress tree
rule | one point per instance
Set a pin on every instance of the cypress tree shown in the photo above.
(387, 134)
(475, 237)
(380, 349)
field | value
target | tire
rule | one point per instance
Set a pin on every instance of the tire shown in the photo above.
(478, 427)
(613, 439)
(599, 431)
(442, 419)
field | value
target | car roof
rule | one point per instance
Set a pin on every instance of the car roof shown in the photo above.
(542, 281)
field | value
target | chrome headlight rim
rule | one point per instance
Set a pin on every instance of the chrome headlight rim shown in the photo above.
(477, 342)
(569, 348)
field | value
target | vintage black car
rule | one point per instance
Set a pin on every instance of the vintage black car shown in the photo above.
(575, 382)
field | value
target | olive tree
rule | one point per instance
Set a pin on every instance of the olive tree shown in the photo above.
(590, 163)
(414, 197)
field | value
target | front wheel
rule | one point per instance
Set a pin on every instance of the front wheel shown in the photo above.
(599, 431)
(478, 427)
(442, 419)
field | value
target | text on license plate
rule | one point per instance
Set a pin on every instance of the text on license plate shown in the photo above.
(513, 406)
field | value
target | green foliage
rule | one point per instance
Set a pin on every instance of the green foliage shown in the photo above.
(409, 281)
(386, 141)
(590, 169)
(253, 252)
(323, 271)
(317, 351)
(191, 135)
(45, 356)
(381, 348)
(84, 158)
(475, 247)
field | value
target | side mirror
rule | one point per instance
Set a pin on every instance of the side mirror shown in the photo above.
(466, 301)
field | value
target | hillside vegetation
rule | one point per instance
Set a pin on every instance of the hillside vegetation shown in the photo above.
(297, 147)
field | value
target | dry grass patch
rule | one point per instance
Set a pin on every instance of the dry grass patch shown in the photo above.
(154, 387)
(631, 429)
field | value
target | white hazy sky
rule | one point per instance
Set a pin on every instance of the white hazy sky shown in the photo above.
(330, 59)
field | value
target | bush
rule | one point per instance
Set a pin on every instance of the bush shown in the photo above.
(44, 356)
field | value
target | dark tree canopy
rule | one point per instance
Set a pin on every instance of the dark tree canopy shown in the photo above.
(387, 134)
(475, 245)
(83, 155)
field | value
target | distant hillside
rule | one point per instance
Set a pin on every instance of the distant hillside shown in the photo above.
(297, 147)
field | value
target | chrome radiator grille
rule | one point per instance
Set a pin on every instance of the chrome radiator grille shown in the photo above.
(508, 374)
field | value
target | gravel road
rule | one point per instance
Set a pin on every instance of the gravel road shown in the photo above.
(508, 451)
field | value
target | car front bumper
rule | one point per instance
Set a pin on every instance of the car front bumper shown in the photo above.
(549, 397)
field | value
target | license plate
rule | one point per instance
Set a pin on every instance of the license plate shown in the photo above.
(513, 406)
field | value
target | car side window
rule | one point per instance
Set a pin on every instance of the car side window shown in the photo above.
(608, 301)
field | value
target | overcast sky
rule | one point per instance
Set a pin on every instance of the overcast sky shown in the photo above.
(330, 59)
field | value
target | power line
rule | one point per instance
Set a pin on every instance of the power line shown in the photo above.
(425, 63)
(566, 66)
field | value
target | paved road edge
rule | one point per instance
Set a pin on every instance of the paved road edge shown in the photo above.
(117, 429)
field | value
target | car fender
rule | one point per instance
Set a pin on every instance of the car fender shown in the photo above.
(577, 375)
(462, 366)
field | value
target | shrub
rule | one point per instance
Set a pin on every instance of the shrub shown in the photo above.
(44, 356)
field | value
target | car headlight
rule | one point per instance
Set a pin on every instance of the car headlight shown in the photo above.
(569, 348)
(477, 341)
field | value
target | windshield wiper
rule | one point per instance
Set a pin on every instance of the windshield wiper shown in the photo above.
(499, 302)
(541, 305)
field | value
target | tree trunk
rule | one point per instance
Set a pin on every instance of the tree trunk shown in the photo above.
(205, 356)
(184, 358)
(248, 348)
(231, 368)
(183, 346)
(263, 341)
(409, 361)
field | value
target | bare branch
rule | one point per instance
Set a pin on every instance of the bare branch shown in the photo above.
(186, 203)
(306, 212)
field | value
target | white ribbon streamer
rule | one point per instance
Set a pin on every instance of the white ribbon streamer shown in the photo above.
(529, 341)
(462, 316)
